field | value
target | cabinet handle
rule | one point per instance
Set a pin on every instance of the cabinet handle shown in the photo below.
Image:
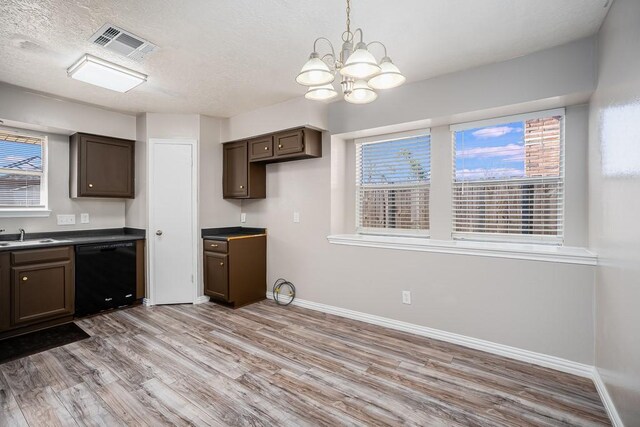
(25, 278)
(214, 246)
(279, 145)
(90, 185)
(222, 263)
(266, 148)
(242, 186)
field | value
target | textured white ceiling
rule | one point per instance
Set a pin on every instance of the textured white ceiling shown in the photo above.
(224, 57)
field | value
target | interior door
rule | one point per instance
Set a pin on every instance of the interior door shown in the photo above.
(172, 207)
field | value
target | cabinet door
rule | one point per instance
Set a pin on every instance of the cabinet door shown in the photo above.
(216, 277)
(291, 142)
(5, 292)
(235, 179)
(41, 292)
(261, 148)
(106, 167)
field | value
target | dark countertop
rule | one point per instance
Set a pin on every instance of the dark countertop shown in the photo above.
(75, 237)
(226, 233)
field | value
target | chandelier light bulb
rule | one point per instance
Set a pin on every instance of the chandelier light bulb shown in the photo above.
(361, 64)
(315, 72)
(361, 93)
(321, 93)
(388, 77)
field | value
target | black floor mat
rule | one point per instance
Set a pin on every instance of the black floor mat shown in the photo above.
(35, 342)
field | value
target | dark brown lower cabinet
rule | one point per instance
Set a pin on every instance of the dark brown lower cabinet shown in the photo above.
(235, 271)
(41, 292)
(5, 291)
(216, 275)
(36, 289)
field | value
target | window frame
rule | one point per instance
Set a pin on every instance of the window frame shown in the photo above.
(551, 240)
(41, 210)
(390, 231)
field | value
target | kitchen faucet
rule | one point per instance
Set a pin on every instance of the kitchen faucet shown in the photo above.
(21, 230)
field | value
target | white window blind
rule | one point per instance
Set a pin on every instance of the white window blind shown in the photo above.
(392, 185)
(22, 182)
(509, 179)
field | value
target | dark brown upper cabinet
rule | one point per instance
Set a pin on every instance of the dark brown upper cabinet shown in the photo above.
(101, 166)
(294, 144)
(244, 174)
(241, 179)
(261, 148)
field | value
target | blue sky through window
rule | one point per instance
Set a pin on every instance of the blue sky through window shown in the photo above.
(491, 152)
(20, 155)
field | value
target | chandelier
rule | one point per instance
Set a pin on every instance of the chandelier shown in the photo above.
(360, 73)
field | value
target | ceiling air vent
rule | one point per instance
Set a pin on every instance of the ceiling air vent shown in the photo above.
(123, 42)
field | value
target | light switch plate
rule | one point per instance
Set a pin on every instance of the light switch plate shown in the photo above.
(84, 218)
(66, 219)
(406, 297)
(243, 217)
(296, 217)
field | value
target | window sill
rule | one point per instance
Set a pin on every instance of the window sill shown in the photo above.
(533, 252)
(24, 213)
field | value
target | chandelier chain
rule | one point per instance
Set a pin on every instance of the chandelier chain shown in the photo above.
(348, 16)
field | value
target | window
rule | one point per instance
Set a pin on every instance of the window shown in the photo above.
(392, 184)
(22, 172)
(508, 179)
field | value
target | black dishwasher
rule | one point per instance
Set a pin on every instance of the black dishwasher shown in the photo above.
(105, 276)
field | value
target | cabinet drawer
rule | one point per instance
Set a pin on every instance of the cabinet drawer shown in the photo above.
(40, 255)
(215, 246)
(291, 142)
(261, 148)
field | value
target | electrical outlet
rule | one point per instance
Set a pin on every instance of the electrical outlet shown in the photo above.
(296, 217)
(84, 218)
(66, 219)
(243, 217)
(406, 297)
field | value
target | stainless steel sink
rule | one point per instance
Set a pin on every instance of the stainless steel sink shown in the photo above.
(30, 242)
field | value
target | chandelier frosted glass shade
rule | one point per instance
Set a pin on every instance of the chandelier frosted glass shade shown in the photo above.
(388, 77)
(315, 72)
(361, 93)
(361, 64)
(321, 93)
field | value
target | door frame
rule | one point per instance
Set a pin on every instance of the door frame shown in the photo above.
(193, 143)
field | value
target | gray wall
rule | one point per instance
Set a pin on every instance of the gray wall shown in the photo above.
(58, 118)
(104, 213)
(539, 306)
(614, 190)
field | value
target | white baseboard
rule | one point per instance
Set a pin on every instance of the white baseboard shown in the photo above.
(606, 399)
(201, 299)
(146, 302)
(527, 356)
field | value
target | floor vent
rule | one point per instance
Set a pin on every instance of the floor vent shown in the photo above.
(123, 42)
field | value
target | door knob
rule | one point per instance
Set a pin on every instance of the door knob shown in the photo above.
(159, 233)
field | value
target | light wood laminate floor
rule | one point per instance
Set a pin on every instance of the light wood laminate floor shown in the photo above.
(270, 365)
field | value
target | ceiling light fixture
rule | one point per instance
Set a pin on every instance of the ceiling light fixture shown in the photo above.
(99, 72)
(361, 74)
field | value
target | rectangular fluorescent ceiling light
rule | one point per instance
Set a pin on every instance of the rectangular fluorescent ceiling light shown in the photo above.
(99, 72)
